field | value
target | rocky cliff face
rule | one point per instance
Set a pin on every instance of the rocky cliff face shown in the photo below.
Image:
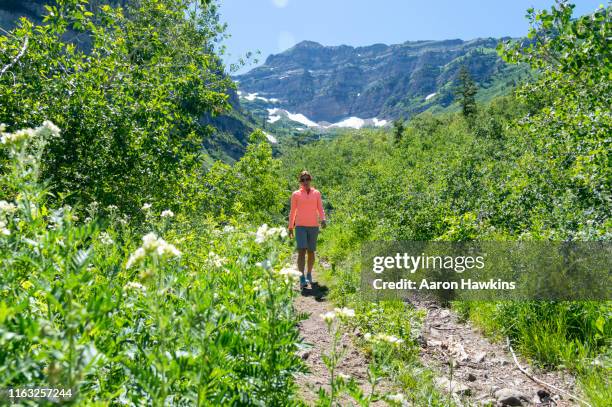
(384, 81)
(12, 10)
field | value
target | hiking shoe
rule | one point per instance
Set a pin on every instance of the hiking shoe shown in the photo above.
(303, 281)
(309, 278)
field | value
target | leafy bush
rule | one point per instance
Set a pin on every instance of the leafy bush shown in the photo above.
(249, 189)
(129, 88)
(202, 318)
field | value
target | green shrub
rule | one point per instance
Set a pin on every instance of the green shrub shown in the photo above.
(120, 315)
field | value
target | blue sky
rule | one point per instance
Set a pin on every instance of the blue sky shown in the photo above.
(272, 26)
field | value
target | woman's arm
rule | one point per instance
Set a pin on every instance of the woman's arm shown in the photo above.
(292, 212)
(320, 209)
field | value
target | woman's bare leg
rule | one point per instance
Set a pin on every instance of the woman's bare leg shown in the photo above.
(311, 259)
(301, 260)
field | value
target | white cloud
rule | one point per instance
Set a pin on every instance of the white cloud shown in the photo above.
(280, 3)
(286, 40)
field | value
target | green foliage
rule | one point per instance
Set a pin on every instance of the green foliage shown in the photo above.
(570, 121)
(88, 305)
(128, 87)
(248, 189)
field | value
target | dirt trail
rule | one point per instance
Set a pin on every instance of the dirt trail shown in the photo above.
(483, 373)
(314, 331)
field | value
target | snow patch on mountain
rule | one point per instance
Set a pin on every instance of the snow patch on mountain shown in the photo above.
(379, 123)
(275, 114)
(357, 123)
(431, 95)
(252, 96)
(352, 122)
(271, 138)
(300, 118)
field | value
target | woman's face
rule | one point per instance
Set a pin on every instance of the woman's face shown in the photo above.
(305, 181)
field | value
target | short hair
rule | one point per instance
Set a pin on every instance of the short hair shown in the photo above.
(303, 174)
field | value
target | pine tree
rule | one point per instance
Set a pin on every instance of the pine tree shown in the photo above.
(398, 130)
(466, 93)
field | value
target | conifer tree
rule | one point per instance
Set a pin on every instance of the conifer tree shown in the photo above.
(466, 93)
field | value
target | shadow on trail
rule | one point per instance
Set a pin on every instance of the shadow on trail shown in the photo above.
(315, 290)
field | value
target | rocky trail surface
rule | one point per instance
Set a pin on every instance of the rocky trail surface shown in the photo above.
(469, 367)
(478, 371)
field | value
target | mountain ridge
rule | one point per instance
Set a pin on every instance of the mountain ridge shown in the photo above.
(332, 83)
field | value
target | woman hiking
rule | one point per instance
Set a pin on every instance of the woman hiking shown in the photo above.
(305, 215)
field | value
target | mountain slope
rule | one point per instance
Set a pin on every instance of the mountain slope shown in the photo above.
(331, 84)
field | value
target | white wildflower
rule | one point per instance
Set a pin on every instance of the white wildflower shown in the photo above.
(257, 285)
(136, 257)
(152, 244)
(265, 232)
(283, 232)
(134, 285)
(51, 128)
(167, 214)
(3, 229)
(17, 137)
(166, 249)
(344, 377)
(396, 398)
(146, 207)
(215, 260)
(106, 239)
(345, 312)
(290, 273)
(329, 316)
(394, 340)
(93, 207)
(7, 207)
(228, 229)
(262, 233)
(266, 264)
(150, 241)
(390, 339)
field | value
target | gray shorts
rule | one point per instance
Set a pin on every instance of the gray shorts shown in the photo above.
(306, 237)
